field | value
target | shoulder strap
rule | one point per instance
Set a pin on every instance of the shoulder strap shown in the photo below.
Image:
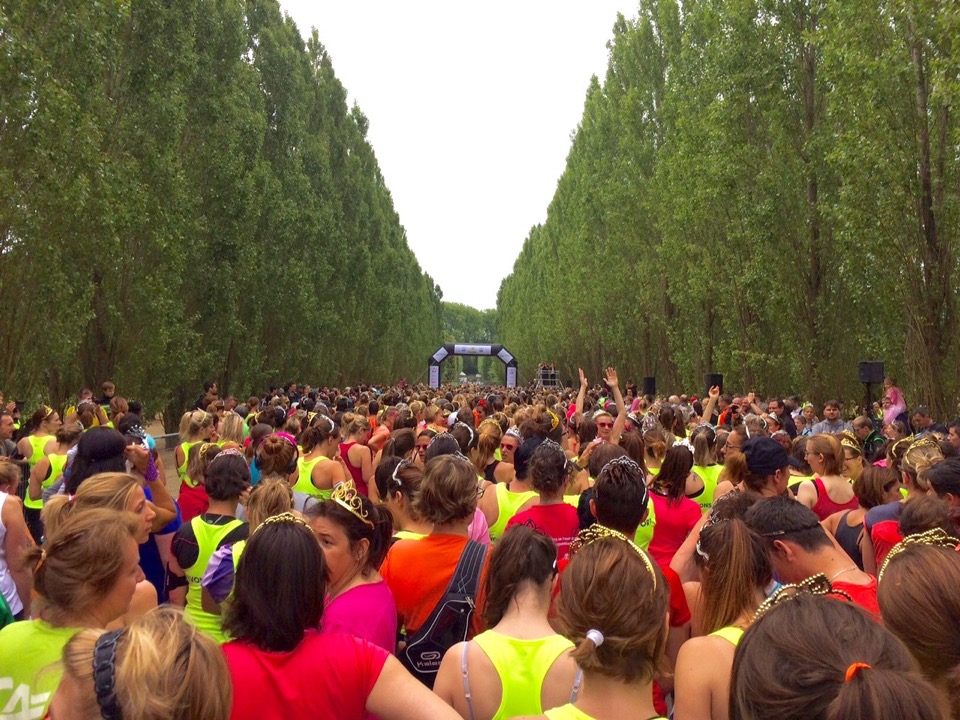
(466, 578)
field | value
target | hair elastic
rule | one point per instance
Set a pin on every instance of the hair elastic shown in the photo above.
(854, 669)
(595, 636)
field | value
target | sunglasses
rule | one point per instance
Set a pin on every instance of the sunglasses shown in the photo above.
(605, 424)
(509, 446)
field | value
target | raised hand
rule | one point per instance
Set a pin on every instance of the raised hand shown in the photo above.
(583, 378)
(611, 378)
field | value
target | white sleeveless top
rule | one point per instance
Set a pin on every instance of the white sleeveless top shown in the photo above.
(7, 587)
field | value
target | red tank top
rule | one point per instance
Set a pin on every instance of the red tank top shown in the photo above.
(355, 472)
(826, 507)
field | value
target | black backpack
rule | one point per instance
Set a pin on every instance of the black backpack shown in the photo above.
(449, 623)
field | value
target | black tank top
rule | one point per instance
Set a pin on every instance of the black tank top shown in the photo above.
(489, 470)
(847, 538)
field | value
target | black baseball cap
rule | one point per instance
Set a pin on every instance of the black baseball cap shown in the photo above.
(765, 456)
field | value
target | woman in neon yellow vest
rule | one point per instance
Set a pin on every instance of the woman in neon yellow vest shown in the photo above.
(520, 665)
(702, 482)
(40, 440)
(195, 542)
(84, 577)
(50, 467)
(619, 646)
(317, 471)
(195, 427)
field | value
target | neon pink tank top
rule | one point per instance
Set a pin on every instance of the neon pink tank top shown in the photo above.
(355, 472)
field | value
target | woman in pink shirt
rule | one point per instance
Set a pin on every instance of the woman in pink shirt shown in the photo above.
(354, 535)
(282, 666)
(676, 514)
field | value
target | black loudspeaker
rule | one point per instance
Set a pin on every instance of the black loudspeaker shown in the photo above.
(710, 380)
(871, 372)
(650, 386)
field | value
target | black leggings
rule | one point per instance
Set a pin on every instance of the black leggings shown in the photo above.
(33, 523)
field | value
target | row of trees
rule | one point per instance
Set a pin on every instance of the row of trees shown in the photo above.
(186, 194)
(763, 188)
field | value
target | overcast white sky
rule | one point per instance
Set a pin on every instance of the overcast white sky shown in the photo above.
(471, 109)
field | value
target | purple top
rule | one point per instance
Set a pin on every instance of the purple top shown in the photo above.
(219, 576)
(365, 611)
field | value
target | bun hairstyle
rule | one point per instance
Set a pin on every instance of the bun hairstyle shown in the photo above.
(930, 630)
(277, 455)
(354, 423)
(522, 556)
(105, 490)
(80, 563)
(163, 669)
(842, 666)
(920, 456)
(634, 634)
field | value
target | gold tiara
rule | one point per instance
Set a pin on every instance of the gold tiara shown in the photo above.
(598, 532)
(346, 496)
(815, 585)
(937, 537)
(286, 517)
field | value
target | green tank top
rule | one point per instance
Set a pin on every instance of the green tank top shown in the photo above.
(645, 530)
(30, 667)
(238, 547)
(571, 712)
(182, 469)
(37, 443)
(572, 500)
(209, 538)
(304, 482)
(57, 463)
(522, 666)
(730, 633)
(508, 505)
(709, 474)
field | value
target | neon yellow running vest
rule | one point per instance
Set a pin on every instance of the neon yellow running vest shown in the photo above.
(209, 538)
(37, 443)
(182, 469)
(305, 482)
(730, 633)
(522, 666)
(57, 463)
(709, 474)
(508, 505)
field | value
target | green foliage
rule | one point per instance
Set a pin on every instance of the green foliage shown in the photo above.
(187, 195)
(762, 188)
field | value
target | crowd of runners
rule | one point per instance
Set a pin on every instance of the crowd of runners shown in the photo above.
(476, 552)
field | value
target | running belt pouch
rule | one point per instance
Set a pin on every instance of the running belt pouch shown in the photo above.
(449, 623)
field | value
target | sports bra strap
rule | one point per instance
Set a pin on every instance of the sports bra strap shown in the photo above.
(466, 680)
(577, 682)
